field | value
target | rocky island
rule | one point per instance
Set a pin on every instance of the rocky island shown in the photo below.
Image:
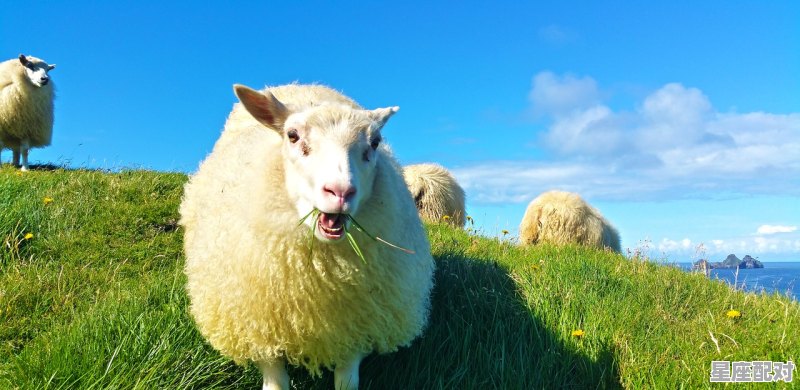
(730, 262)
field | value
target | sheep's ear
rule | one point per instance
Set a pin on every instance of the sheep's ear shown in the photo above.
(23, 60)
(381, 115)
(263, 106)
(51, 67)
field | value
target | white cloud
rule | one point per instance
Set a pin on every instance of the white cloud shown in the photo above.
(673, 117)
(668, 245)
(766, 248)
(674, 103)
(591, 131)
(773, 229)
(556, 95)
(557, 35)
(672, 145)
(515, 182)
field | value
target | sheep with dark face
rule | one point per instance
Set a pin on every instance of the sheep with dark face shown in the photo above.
(26, 106)
(266, 289)
(559, 217)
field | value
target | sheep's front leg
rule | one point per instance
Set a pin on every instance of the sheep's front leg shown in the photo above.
(15, 156)
(275, 375)
(345, 376)
(24, 146)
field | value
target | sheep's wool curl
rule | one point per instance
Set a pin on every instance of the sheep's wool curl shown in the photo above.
(560, 218)
(26, 111)
(260, 289)
(436, 193)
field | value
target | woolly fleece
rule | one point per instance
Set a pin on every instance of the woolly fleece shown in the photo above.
(560, 218)
(260, 292)
(436, 193)
(26, 111)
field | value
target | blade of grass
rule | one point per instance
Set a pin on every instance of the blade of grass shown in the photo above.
(315, 212)
(376, 238)
(353, 244)
(409, 251)
(303, 220)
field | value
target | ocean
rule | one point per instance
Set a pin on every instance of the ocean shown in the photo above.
(783, 277)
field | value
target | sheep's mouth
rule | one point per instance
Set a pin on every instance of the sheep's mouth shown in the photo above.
(332, 226)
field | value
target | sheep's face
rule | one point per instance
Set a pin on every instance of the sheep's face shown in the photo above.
(36, 70)
(330, 157)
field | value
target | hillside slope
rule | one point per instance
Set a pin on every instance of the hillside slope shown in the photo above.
(92, 296)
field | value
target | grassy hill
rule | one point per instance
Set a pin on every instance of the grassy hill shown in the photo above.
(92, 296)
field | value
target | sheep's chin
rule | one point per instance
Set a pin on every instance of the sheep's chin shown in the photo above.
(330, 227)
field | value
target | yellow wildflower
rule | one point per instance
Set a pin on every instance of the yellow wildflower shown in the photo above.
(446, 217)
(19, 173)
(47, 200)
(504, 232)
(733, 314)
(578, 333)
(28, 236)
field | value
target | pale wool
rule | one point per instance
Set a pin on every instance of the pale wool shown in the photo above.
(26, 107)
(559, 217)
(261, 288)
(436, 193)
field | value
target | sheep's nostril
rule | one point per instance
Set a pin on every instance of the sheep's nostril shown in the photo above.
(343, 193)
(348, 193)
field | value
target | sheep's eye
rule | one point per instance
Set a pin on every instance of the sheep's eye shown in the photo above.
(375, 142)
(292, 134)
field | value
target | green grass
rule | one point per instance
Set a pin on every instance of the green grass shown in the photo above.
(96, 300)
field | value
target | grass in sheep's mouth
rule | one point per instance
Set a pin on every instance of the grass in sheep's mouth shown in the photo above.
(314, 214)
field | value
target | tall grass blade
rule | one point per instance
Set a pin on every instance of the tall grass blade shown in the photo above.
(353, 243)
(376, 238)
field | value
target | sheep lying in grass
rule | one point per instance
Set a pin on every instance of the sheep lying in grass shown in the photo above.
(436, 193)
(561, 218)
(264, 288)
(26, 106)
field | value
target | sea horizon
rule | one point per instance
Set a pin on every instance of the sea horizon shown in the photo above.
(776, 276)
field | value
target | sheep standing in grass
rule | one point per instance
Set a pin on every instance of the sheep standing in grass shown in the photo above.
(26, 106)
(269, 289)
(562, 218)
(436, 193)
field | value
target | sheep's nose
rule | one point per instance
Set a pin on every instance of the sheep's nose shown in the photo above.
(341, 192)
(44, 79)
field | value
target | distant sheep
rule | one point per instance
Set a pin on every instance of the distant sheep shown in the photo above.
(436, 193)
(560, 218)
(26, 106)
(264, 288)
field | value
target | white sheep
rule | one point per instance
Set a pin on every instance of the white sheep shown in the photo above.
(436, 193)
(26, 106)
(560, 218)
(267, 289)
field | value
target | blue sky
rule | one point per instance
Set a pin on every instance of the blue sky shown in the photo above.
(679, 121)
